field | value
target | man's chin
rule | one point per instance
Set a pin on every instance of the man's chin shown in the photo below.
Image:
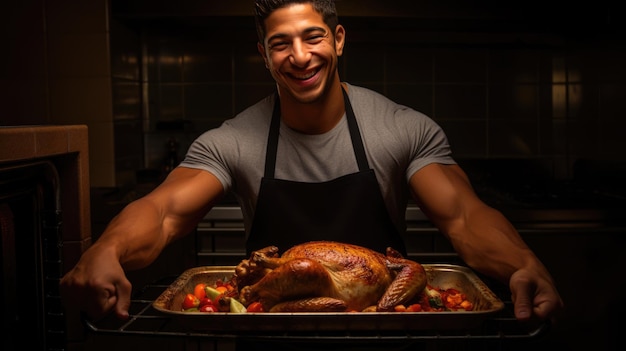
(305, 96)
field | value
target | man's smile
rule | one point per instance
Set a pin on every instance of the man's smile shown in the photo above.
(304, 75)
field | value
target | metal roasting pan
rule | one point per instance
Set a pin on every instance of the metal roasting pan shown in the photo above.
(444, 276)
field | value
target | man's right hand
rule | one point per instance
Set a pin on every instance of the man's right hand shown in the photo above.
(97, 285)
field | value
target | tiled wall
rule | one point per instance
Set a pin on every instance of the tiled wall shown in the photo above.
(200, 84)
(495, 97)
(55, 69)
(127, 115)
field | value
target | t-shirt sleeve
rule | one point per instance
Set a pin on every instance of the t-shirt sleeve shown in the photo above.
(429, 144)
(235, 151)
(210, 152)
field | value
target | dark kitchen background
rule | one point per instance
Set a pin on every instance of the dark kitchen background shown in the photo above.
(531, 95)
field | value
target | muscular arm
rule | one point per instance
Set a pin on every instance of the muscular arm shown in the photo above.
(485, 239)
(481, 235)
(135, 238)
(143, 229)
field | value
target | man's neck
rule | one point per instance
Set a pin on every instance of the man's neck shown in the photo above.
(317, 117)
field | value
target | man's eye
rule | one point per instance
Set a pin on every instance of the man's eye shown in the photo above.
(315, 38)
(278, 45)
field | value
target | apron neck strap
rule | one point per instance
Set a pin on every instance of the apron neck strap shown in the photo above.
(353, 127)
(355, 135)
(272, 139)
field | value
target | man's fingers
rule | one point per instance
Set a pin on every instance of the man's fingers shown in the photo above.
(523, 307)
(522, 294)
(122, 305)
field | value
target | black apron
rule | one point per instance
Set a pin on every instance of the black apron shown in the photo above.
(347, 209)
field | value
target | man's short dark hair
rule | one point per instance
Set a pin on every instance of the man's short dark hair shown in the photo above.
(264, 8)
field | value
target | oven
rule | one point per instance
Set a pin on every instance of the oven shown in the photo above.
(30, 226)
(44, 217)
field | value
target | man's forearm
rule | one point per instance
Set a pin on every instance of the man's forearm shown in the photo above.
(490, 244)
(136, 234)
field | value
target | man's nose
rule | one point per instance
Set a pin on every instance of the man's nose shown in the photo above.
(300, 56)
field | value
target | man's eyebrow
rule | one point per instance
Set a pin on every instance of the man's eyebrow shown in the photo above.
(306, 31)
(277, 36)
(314, 29)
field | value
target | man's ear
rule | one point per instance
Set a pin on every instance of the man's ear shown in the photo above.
(340, 39)
(261, 50)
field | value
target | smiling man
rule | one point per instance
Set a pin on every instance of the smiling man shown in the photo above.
(320, 159)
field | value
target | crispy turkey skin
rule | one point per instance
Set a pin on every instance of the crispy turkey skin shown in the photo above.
(327, 276)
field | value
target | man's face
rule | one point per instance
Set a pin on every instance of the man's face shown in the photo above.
(301, 51)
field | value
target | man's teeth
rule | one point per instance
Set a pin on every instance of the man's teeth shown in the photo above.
(304, 76)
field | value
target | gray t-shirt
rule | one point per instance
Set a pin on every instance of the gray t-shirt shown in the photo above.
(398, 142)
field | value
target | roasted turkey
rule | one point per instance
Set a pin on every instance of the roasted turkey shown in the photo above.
(326, 276)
